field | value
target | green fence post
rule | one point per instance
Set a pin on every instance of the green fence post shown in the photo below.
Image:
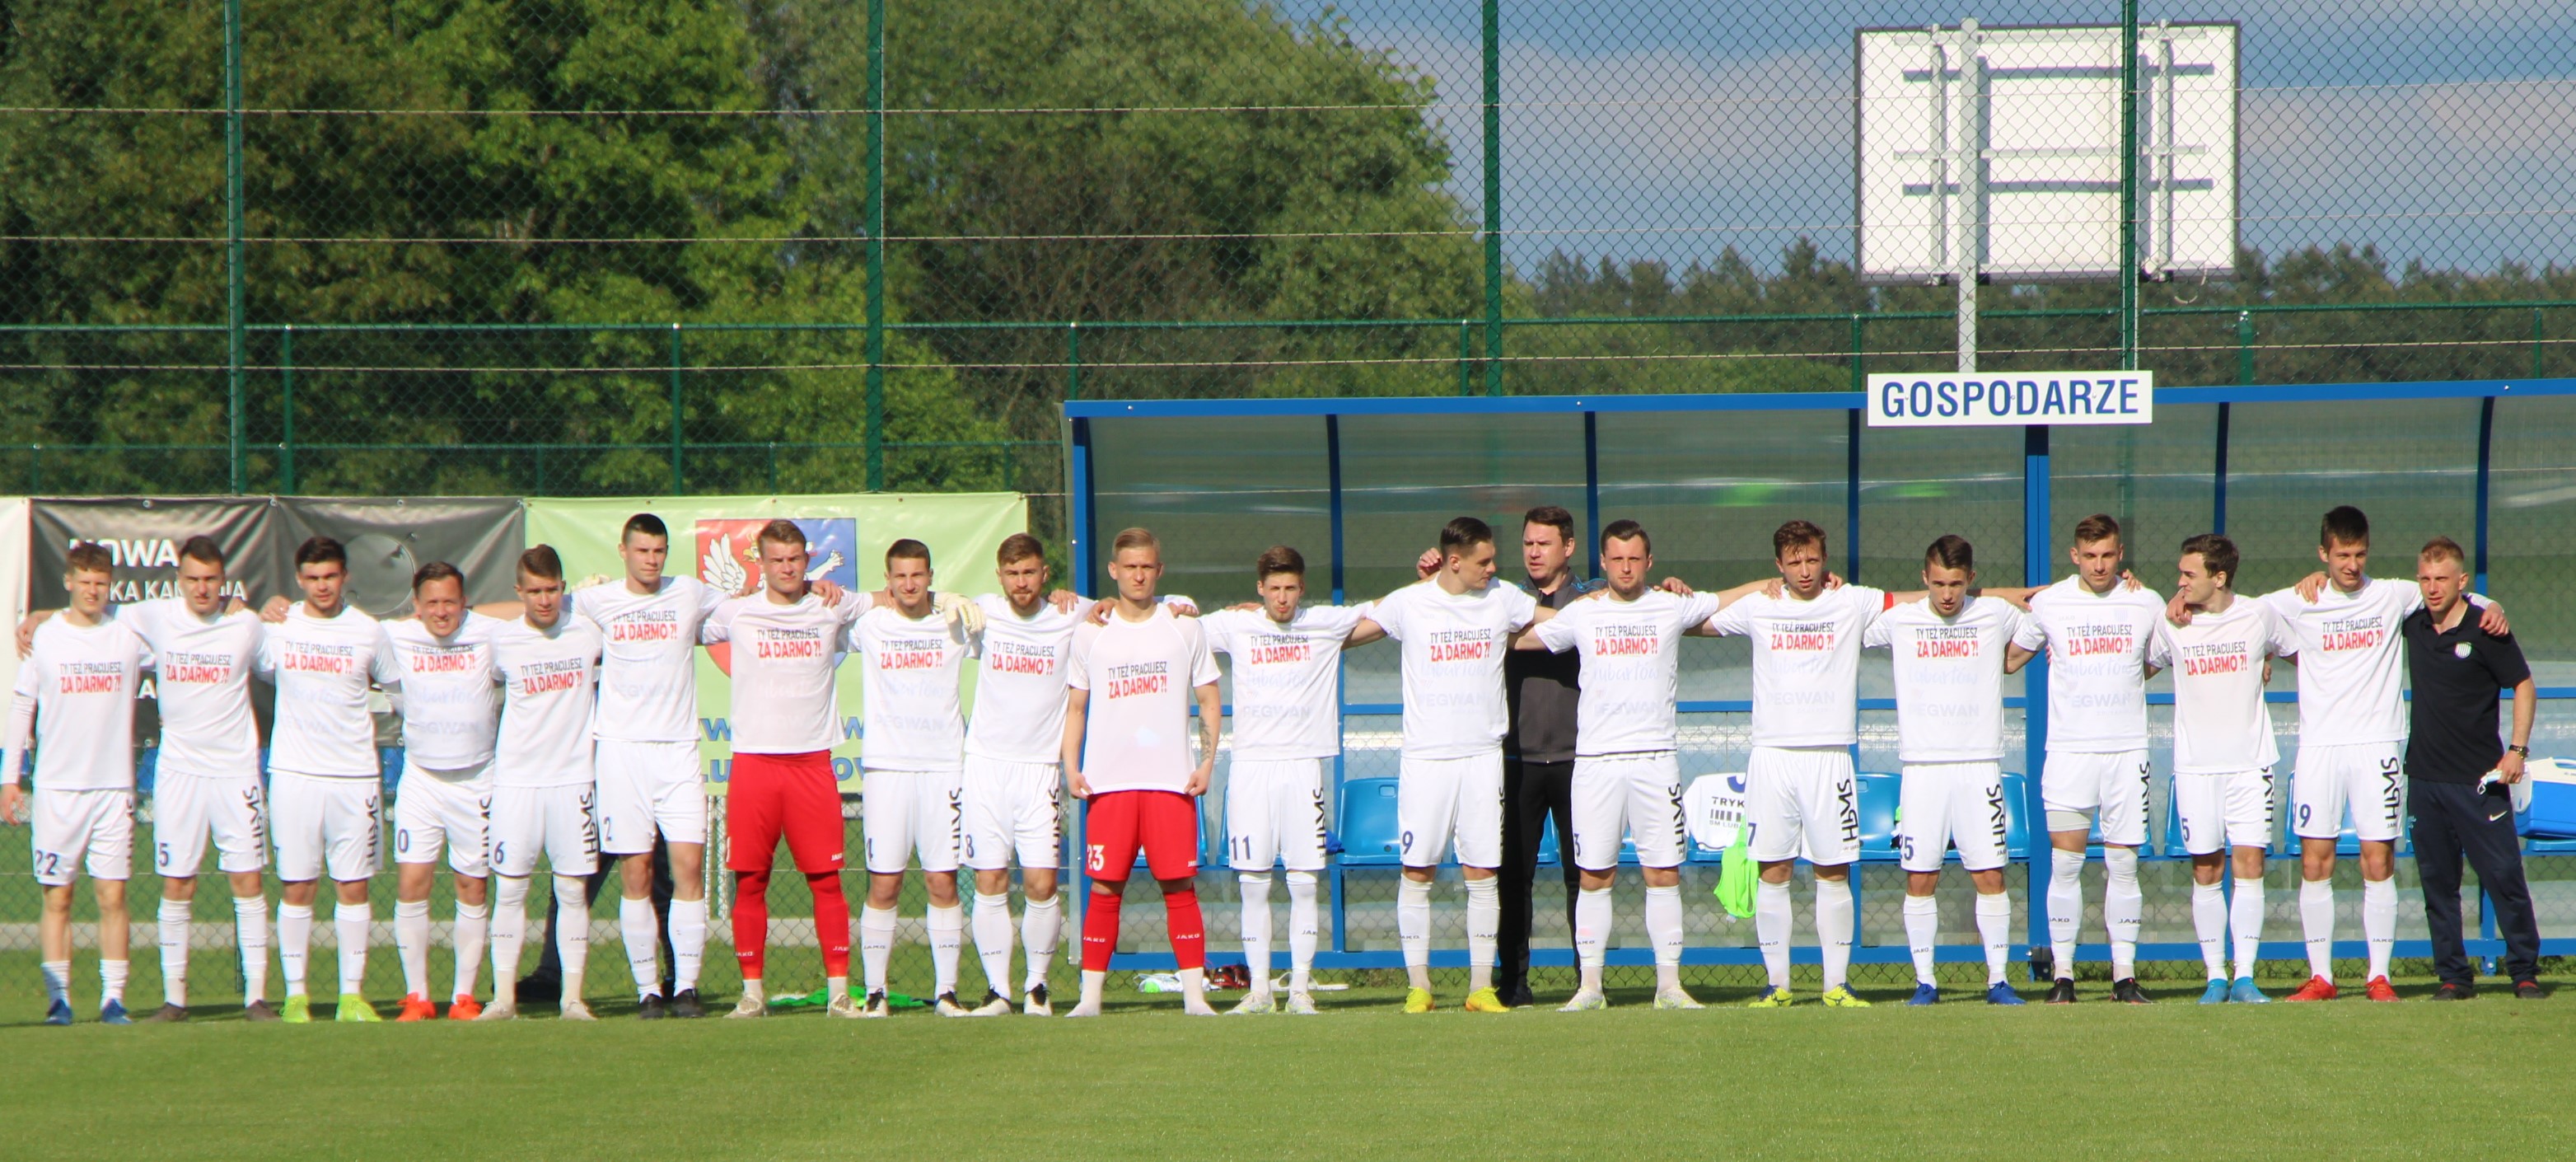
(2536, 348)
(1493, 197)
(233, 337)
(1466, 356)
(1859, 373)
(876, 245)
(2244, 346)
(2128, 274)
(286, 410)
(1073, 360)
(679, 479)
(773, 467)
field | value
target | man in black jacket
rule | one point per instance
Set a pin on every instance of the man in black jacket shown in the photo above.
(1538, 750)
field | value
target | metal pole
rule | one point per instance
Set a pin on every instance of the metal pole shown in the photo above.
(233, 338)
(876, 245)
(2128, 258)
(2244, 346)
(2536, 341)
(1493, 197)
(1971, 164)
(2035, 565)
(1466, 356)
(1073, 361)
(2164, 149)
(1859, 369)
(286, 410)
(679, 480)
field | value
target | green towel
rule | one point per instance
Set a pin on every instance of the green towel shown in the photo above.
(1736, 876)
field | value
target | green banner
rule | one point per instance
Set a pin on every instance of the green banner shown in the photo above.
(712, 539)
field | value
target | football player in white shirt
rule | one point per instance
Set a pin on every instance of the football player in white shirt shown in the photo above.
(544, 795)
(1948, 650)
(2223, 753)
(1014, 751)
(1800, 794)
(1129, 685)
(2095, 627)
(1287, 729)
(1627, 771)
(2352, 724)
(912, 750)
(786, 644)
(75, 697)
(208, 774)
(326, 783)
(1454, 628)
(450, 716)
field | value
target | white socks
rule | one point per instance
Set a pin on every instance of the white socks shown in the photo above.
(411, 945)
(2065, 906)
(350, 923)
(1093, 984)
(2379, 922)
(636, 927)
(1771, 925)
(2245, 922)
(250, 930)
(58, 981)
(947, 939)
(1591, 934)
(1834, 929)
(2124, 907)
(1484, 931)
(992, 923)
(1256, 928)
(1664, 931)
(835, 989)
(1041, 926)
(173, 931)
(111, 982)
(688, 942)
(473, 935)
(2316, 926)
(1994, 929)
(2209, 923)
(1303, 925)
(876, 945)
(294, 943)
(572, 932)
(509, 932)
(1413, 929)
(1922, 928)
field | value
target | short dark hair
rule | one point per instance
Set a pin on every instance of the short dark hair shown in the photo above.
(1951, 551)
(2096, 527)
(781, 532)
(1553, 517)
(321, 551)
(1627, 530)
(645, 523)
(1794, 534)
(2443, 549)
(1278, 559)
(2217, 554)
(2344, 525)
(908, 549)
(202, 548)
(542, 562)
(89, 557)
(439, 571)
(1019, 547)
(1466, 532)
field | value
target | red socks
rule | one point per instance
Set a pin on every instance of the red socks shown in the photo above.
(1189, 933)
(751, 920)
(1099, 931)
(831, 922)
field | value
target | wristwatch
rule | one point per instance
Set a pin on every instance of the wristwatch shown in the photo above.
(2524, 751)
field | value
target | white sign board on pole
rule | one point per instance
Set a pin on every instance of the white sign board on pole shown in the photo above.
(1997, 150)
(1945, 400)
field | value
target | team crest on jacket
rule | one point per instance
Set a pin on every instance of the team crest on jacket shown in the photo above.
(728, 559)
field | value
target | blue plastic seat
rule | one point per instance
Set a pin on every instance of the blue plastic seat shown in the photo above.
(146, 765)
(1547, 842)
(1370, 834)
(2016, 816)
(1878, 800)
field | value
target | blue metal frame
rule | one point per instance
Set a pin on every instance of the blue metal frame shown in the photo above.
(2037, 570)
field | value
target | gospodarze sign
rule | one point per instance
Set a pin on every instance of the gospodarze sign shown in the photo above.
(1952, 400)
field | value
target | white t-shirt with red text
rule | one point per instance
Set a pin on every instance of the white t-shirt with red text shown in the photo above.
(1806, 662)
(2352, 660)
(1949, 678)
(1453, 647)
(1142, 677)
(450, 707)
(908, 669)
(1287, 678)
(1019, 683)
(321, 667)
(201, 670)
(2220, 725)
(83, 681)
(2097, 657)
(648, 675)
(549, 681)
(1631, 678)
(786, 660)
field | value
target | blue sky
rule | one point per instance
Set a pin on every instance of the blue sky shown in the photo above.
(2444, 132)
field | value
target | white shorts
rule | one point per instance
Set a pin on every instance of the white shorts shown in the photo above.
(2230, 810)
(646, 787)
(324, 823)
(2365, 777)
(1627, 794)
(1940, 804)
(913, 811)
(1010, 809)
(1802, 800)
(1446, 803)
(188, 807)
(2113, 783)
(560, 820)
(445, 809)
(71, 824)
(1274, 813)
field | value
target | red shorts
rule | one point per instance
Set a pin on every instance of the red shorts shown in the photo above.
(1164, 824)
(783, 795)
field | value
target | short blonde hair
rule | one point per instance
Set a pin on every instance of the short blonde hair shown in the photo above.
(1135, 538)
